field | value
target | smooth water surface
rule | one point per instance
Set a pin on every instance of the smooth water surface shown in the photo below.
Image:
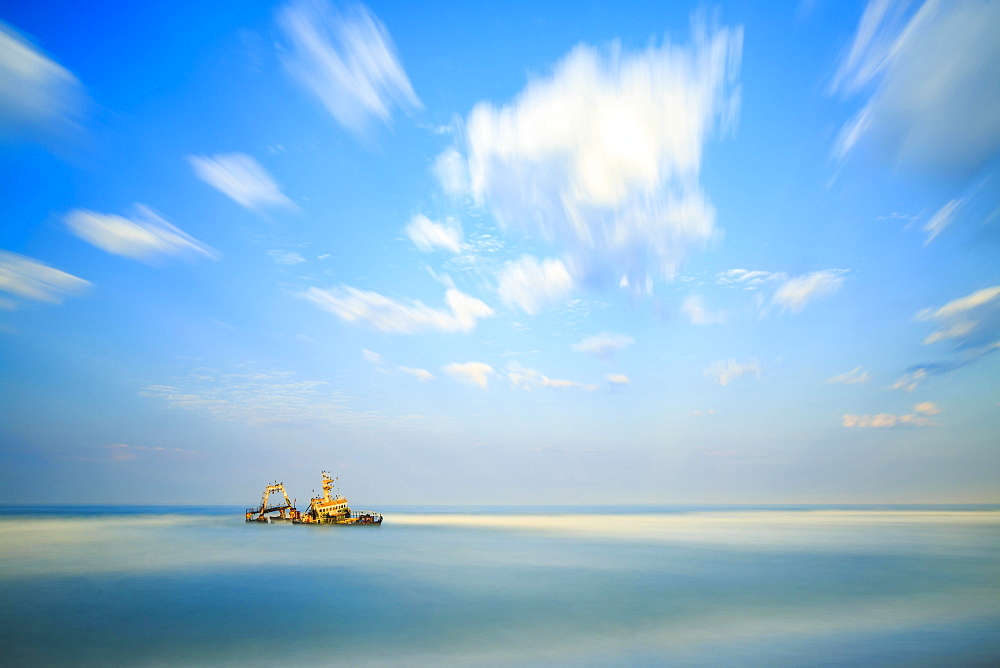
(775, 586)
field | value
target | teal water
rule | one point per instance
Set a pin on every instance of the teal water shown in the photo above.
(487, 586)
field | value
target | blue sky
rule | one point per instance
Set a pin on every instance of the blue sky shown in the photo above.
(531, 253)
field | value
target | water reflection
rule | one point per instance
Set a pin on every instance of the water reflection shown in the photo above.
(536, 588)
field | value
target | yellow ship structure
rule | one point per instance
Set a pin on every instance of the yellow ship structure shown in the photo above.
(326, 509)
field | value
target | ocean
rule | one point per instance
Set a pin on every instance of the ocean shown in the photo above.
(686, 586)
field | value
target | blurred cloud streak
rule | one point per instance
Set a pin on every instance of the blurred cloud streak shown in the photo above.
(347, 59)
(27, 278)
(935, 100)
(147, 239)
(36, 93)
(241, 178)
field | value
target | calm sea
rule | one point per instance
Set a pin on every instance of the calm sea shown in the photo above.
(504, 586)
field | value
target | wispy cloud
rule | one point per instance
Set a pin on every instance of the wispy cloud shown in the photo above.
(749, 279)
(959, 307)
(940, 220)
(617, 379)
(694, 308)
(266, 398)
(970, 323)
(471, 373)
(148, 238)
(798, 291)
(452, 172)
(347, 59)
(388, 315)
(36, 93)
(920, 417)
(420, 374)
(428, 235)
(371, 357)
(603, 157)
(936, 87)
(531, 285)
(122, 452)
(241, 178)
(726, 371)
(528, 379)
(855, 375)
(285, 257)
(27, 278)
(603, 345)
(956, 331)
(910, 380)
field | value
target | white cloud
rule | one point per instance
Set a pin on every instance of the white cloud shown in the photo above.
(529, 379)
(726, 371)
(287, 258)
(428, 235)
(603, 345)
(855, 375)
(241, 178)
(420, 374)
(36, 93)
(530, 284)
(148, 238)
(798, 291)
(694, 308)
(472, 373)
(918, 418)
(936, 86)
(347, 59)
(617, 379)
(940, 220)
(388, 315)
(603, 157)
(27, 278)
(370, 357)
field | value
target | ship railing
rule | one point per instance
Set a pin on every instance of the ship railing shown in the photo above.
(269, 509)
(262, 513)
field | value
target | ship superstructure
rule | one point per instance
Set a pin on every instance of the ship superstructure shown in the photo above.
(265, 512)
